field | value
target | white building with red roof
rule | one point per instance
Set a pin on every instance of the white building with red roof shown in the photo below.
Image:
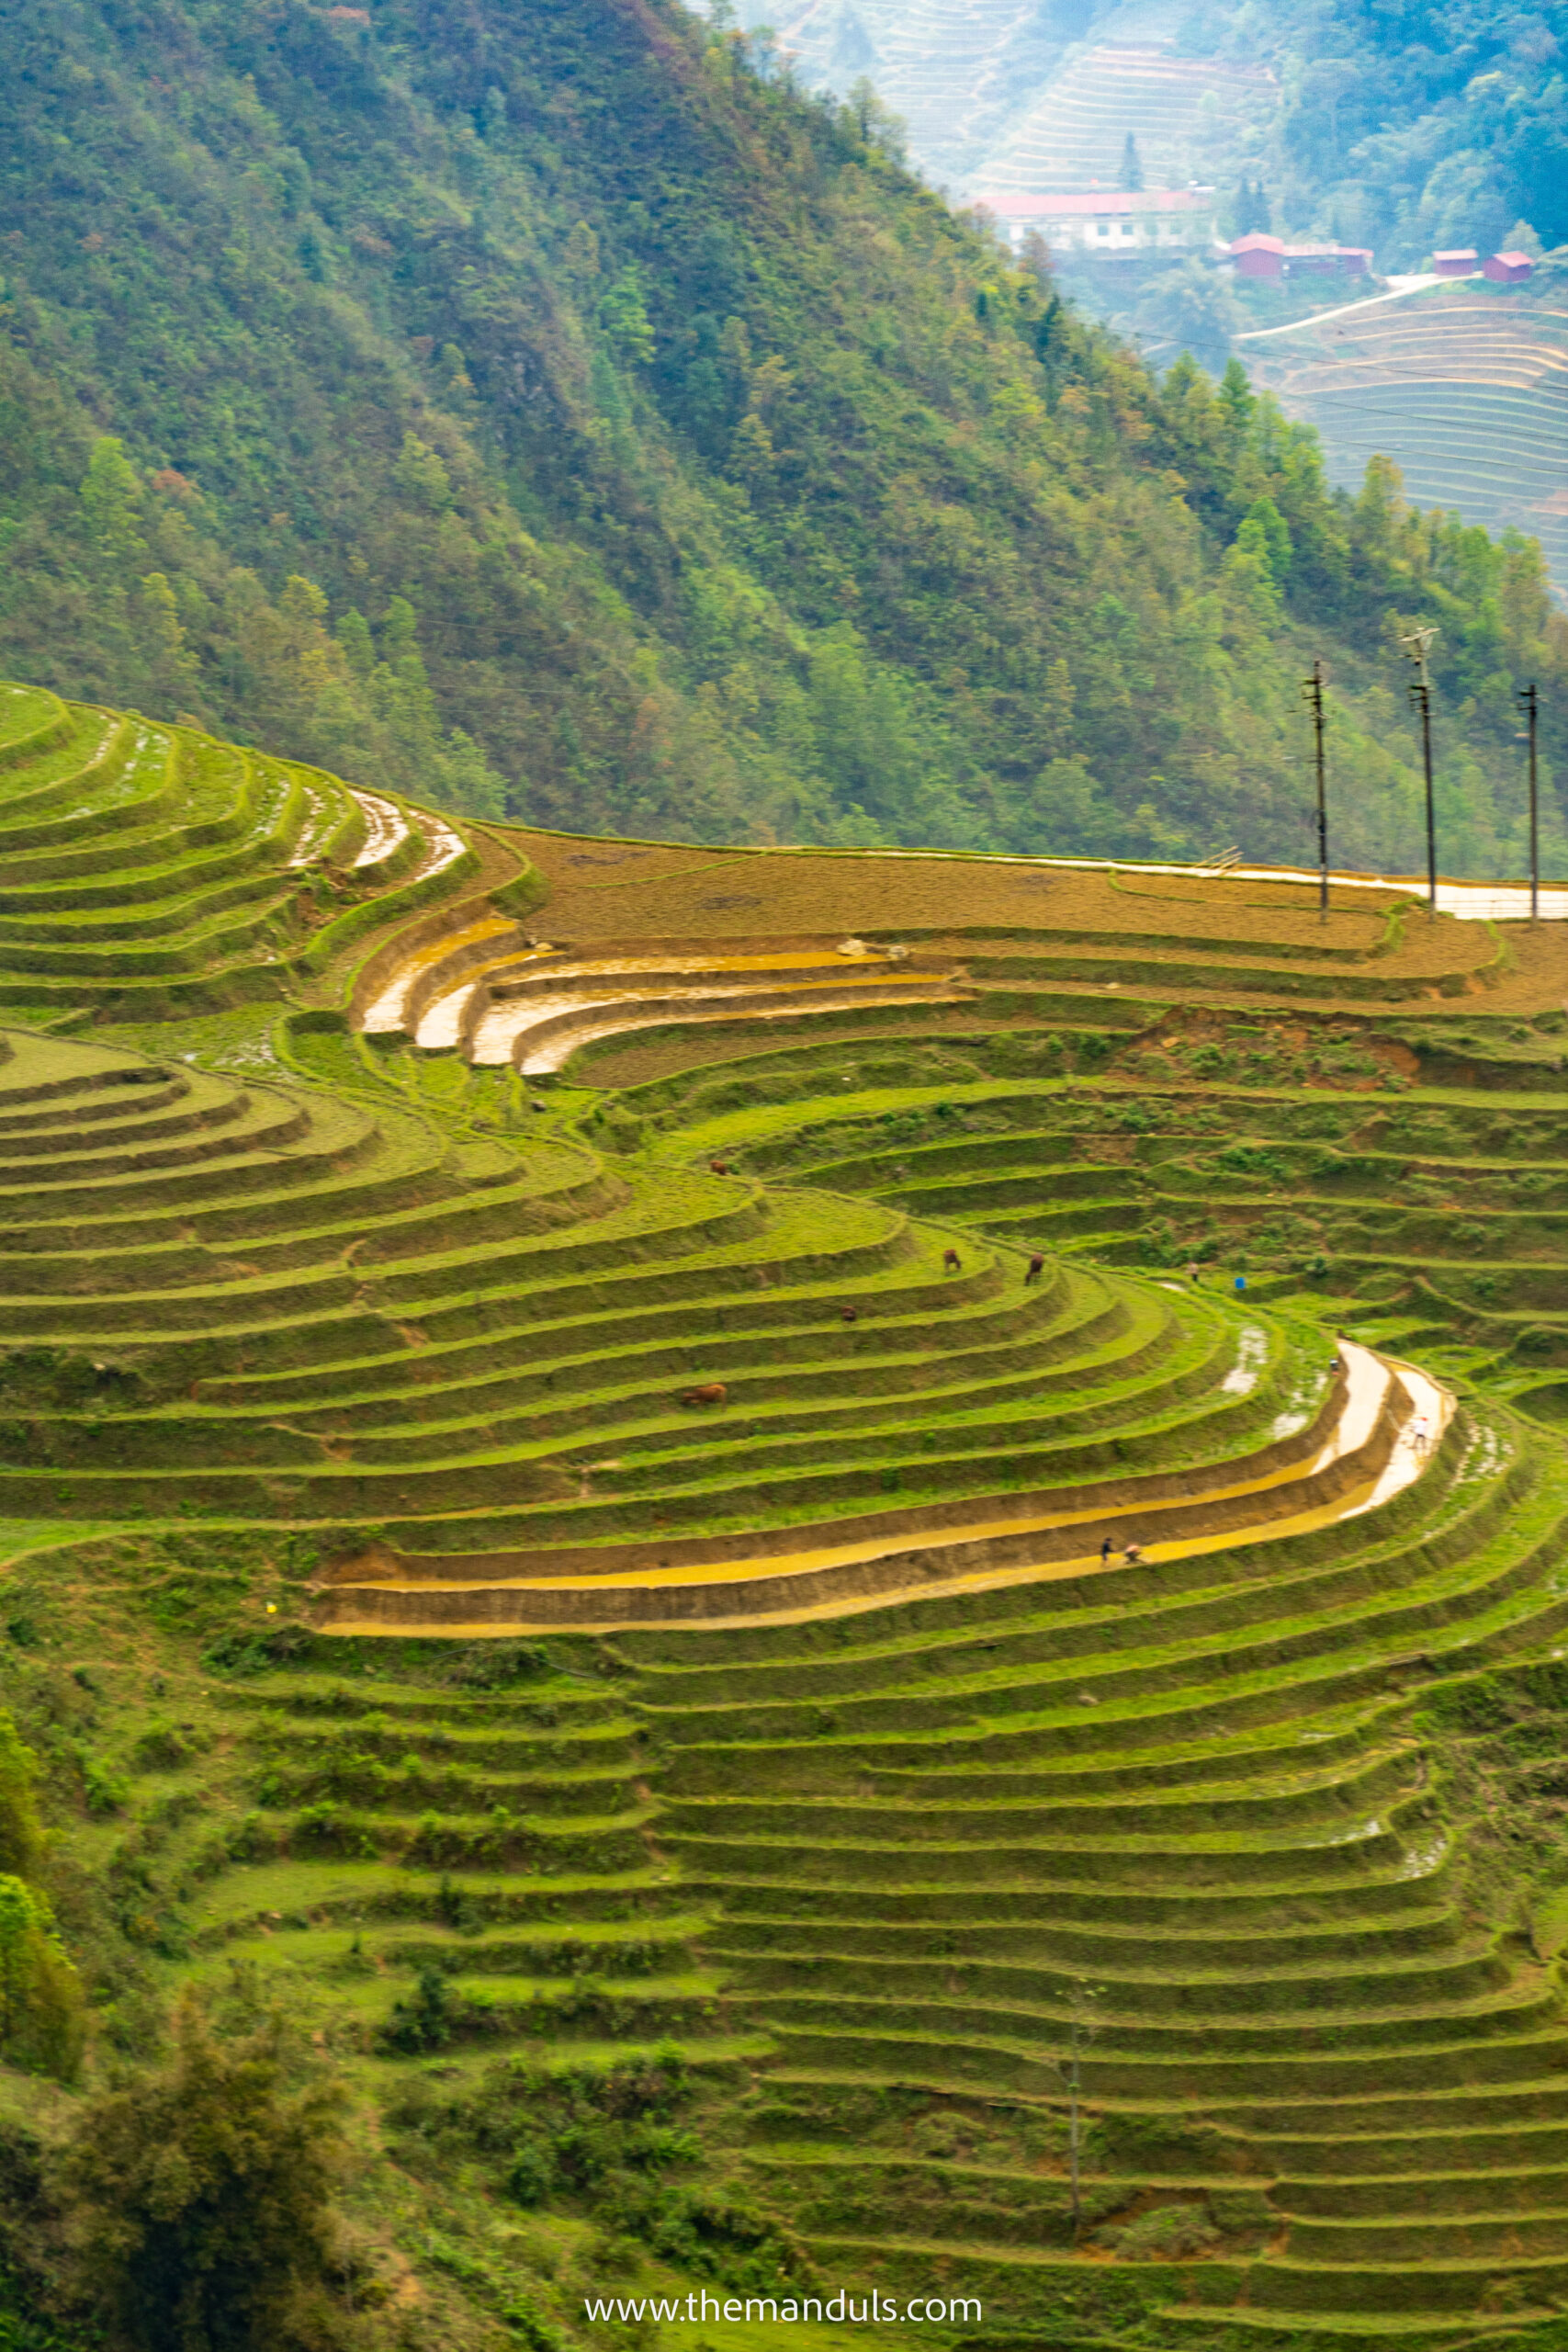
(1111, 223)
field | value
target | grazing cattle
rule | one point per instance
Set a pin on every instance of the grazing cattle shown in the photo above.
(719, 1166)
(714, 1392)
(1036, 1268)
(950, 1263)
(849, 1313)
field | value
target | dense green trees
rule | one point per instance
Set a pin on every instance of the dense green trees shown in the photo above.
(1249, 207)
(550, 409)
(41, 1998)
(202, 2195)
(21, 1834)
(1428, 123)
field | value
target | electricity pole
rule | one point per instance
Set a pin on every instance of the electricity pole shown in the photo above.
(1415, 646)
(1528, 696)
(1313, 689)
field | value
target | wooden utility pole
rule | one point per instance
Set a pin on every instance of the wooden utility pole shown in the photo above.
(1415, 646)
(1528, 696)
(1313, 689)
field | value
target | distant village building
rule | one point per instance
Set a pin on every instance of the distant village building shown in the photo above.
(1261, 256)
(1117, 222)
(1503, 269)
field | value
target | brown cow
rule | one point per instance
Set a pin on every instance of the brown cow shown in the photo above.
(950, 1262)
(1036, 1268)
(849, 1313)
(719, 1166)
(713, 1393)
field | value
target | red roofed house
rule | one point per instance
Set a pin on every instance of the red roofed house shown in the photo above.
(1258, 257)
(1119, 222)
(1462, 262)
(1261, 256)
(1507, 269)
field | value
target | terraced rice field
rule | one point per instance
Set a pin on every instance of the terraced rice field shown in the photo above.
(996, 95)
(492, 1828)
(1466, 389)
(1183, 112)
(690, 1337)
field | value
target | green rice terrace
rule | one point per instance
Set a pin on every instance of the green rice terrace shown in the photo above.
(1465, 385)
(574, 1412)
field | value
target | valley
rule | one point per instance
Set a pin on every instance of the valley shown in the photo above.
(1000, 113)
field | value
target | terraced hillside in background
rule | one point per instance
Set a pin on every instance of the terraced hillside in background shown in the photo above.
(1004, 97)
(632, 1372)
(1184, 112)
(1465, 387)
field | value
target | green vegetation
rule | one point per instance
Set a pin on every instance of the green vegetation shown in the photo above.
(1463, 144)
(568, 1730)
(670, 1621)
(40, 2000)
(576, 420)
(1461, 385)
(1473, 448)
(205, 2193)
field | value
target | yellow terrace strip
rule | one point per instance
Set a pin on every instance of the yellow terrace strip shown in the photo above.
(1371, 1379)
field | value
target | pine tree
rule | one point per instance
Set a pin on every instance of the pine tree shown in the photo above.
(1132, 167)
(1250, 208)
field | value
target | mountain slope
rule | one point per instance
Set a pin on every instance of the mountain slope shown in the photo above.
(1433, 126)
(860, 1583)
(550, 412)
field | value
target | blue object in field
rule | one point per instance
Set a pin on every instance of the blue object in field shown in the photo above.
(1241, 1282)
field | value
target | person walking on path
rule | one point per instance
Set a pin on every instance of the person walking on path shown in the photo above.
(1106, 1549)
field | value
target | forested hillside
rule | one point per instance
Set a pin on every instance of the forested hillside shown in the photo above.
(1432, 123)
(546, 410)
